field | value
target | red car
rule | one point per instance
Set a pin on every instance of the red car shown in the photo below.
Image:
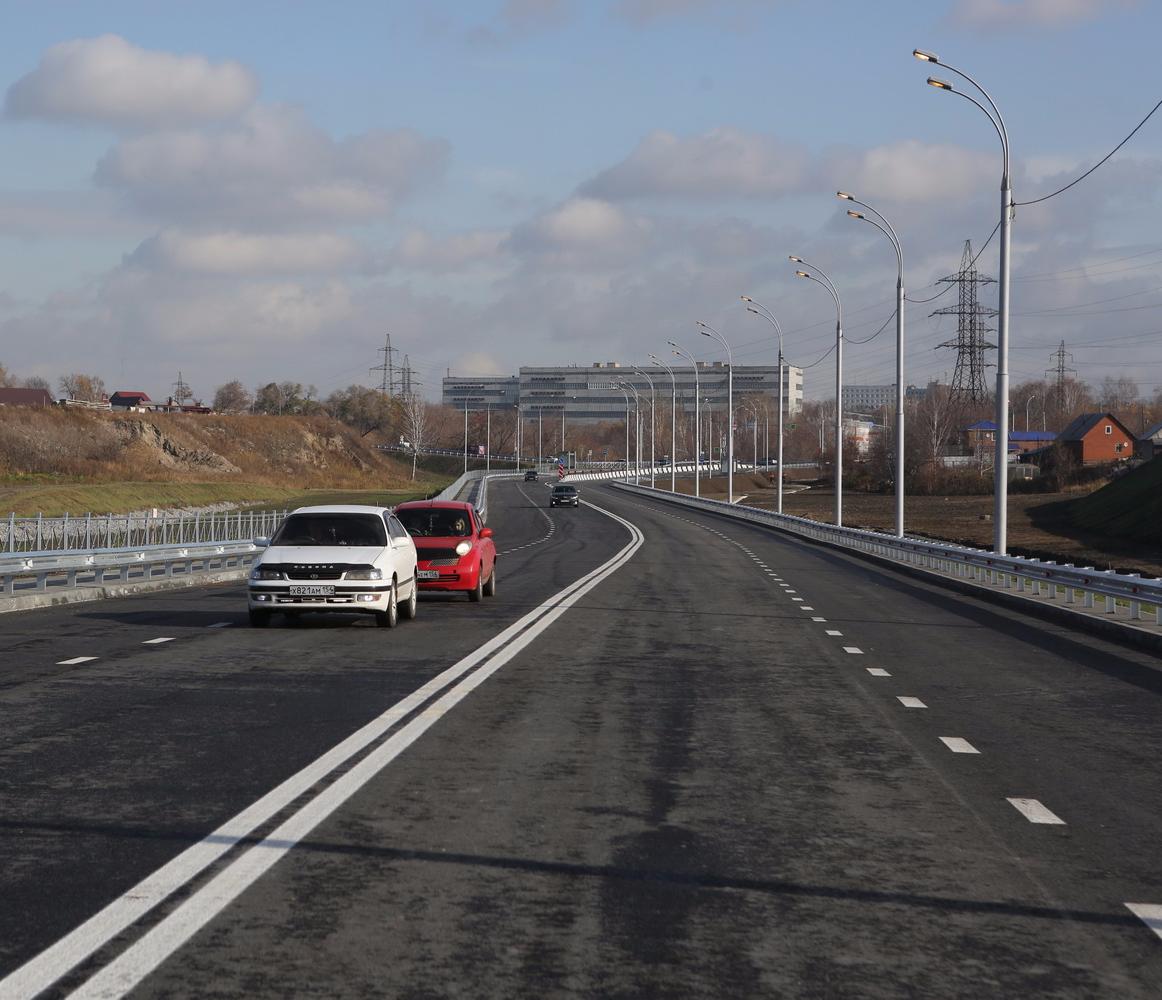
(454, 551)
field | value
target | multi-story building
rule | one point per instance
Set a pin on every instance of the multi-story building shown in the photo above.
(593, 392)
(871, 398)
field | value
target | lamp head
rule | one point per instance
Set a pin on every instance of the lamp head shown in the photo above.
(802, 274)
(855, 215)
(926, 56)
(797, 260)
(844, 195)
(746, 298)
(939, 84)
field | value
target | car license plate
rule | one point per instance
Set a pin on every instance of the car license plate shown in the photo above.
(312, 590)
(428, 574)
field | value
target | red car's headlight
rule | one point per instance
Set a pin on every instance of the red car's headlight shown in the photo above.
(463, 548)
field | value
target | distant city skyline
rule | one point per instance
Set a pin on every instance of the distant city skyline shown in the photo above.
(260, 192)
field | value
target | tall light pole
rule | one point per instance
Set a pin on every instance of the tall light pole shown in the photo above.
(760, 310)
(516, 406)
(755, 410)
(710, 435)
(465, 436)
(821, 279)
(637, 432)
(709, 331)
(697, 418)
(1001, 459)
(625, 393)
(487, 438)
(673, 422)
(890, 233)
(653, 405)
(1027, 402)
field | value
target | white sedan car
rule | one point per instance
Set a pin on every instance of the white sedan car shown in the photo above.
(348, 559)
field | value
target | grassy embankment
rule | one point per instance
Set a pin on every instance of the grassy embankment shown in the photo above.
(69, 461)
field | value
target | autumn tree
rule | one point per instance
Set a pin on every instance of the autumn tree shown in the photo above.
(88, 388)
(233, 397)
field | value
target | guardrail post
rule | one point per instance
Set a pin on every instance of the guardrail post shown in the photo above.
(39, 530)
(1111, 604)
(1087, 599)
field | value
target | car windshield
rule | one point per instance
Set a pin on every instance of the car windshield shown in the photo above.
(331, 529)
(564, 489)
(435, 522)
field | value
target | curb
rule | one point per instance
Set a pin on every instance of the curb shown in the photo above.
(80, 595)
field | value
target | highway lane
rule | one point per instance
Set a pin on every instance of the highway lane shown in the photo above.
(702, 781)
(110, 767)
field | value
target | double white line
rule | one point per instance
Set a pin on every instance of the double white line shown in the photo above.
(167, 936)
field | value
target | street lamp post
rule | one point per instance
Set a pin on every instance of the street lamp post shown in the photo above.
(487, 438)
(673, 423)
(620, 386)
(760, 310)
(709, 331)
(1000, 462)
(822, 279)
(697, 417)
(653, 404)
(465, 437)
(540, 448)
(710, 436)
(755, 410)
(1027, 402)
(516, 406)
(637, 432)
(890, 233)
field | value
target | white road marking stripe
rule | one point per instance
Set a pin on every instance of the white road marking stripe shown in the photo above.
(1034, 812)
(804, 607)
(878, 672)
(792, 591)
(832, 631)
(152, 949)
(1149, 913)
(853, 649)
(818, 619)
(155, 642)
(74, 661)
(958, 745)
(909, 702)
(796, 598)
(220, 625)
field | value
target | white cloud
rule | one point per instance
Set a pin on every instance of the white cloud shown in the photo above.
(110, 80)
(724, 162)
(234, 253)
(273, 167)
(913, 171)
(47, 214)
(420, 250)
(988, 14)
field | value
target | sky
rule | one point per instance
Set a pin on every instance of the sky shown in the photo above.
(262, 191)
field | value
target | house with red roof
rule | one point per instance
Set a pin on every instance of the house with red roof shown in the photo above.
(26, 397)
(126, 399)
(1097, 438)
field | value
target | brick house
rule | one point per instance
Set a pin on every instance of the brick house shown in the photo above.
(1097, 438)
(26, 397)
(983, 434)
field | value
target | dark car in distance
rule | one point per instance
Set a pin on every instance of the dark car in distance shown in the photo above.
(530, 475)
(565, 495)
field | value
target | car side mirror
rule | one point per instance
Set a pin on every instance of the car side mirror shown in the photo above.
(485, 532)
(262, 541)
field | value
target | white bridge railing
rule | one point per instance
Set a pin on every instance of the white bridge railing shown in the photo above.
(1125, 595)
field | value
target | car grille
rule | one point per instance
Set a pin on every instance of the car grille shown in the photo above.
(431, 555)
(312, 571)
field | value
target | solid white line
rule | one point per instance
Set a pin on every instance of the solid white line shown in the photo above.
(878, 672)
(909, 702)
(958, 745)
(153, 948)
(1149, 913)
(74, 661)
(155, 642)
(853, 649)
(1034, 812)
(832, 631)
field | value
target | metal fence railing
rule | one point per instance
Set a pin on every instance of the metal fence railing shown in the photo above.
(94, 532)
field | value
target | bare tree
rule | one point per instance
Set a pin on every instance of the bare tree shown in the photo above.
(415, 419)
(89, 388)
(1118, 394)
(233, 397)
(36, 382)
(6, 379)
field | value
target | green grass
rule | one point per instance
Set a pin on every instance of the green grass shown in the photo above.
(1129, 507)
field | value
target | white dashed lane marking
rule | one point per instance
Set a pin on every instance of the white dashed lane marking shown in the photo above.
(909, 702)
(1035, 812)
(220, 625)
(818, 619)
(1149, 913)
(832, 631)
(158, 642)
(74, 661)
(878, 672)
(958, 745)
(853, 649)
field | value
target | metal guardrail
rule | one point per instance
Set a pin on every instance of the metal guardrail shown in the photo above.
(95, 532)
(1125, 594)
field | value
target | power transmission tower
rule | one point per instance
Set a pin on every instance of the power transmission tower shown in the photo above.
(968, 377)
(1060, 370)
(406, 378)
(387, 384)
(181, 391)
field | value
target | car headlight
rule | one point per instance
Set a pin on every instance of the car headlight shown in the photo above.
(463, 548)
(260, 572)
(364, 573)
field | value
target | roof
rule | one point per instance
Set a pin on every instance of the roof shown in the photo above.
(25, 397)
(1151, 432)
(1032, 436)
(340, 508)
(982, 425)
(1085, 423)
(131, 394)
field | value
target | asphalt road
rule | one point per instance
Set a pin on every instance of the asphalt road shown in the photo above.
(698, 779)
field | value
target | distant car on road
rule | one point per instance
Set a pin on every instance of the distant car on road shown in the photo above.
(530, 475)
(455, 551)
(348, 559)
(565, 495)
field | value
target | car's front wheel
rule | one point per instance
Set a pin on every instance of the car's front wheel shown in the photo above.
(408, 608)
(390, 617)
(490, 586)
(477, 592)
